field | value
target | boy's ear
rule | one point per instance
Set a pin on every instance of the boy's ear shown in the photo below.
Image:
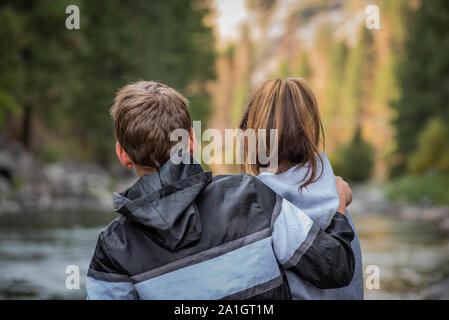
(192, 142)
(123, 156)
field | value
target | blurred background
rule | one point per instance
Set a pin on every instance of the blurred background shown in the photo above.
(383, 95)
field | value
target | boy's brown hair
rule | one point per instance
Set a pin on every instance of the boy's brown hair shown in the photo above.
(145, 113)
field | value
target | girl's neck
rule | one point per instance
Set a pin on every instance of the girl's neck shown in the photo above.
(284, 166)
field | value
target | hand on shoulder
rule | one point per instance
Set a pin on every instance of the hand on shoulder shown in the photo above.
(344, 193)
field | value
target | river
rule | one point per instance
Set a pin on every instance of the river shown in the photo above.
(412, 257)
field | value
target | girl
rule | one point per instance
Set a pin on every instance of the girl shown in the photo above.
(303, 175)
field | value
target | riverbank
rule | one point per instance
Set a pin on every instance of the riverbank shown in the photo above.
(27, 186)
(407, 241)
(373, 198)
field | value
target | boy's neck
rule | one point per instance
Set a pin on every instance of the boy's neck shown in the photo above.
(140, 170)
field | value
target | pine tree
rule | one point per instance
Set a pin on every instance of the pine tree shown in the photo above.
(35, 52)
(424, 75)
(65, 80)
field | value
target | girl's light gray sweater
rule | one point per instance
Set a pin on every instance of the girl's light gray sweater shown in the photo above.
(320, 202)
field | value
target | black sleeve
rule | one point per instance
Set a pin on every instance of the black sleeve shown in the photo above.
(329, 261)
(102, 266)
(101, 260)
(105, 281)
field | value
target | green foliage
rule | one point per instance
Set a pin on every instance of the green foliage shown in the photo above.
(304, 71)
(423, 74)
(200, 105)
(301, 69)
(422, 188)
(396, 13)
(66, 79)
(61, 148)
(11, 42)
(17, 183)
(336, 158)
(386, 88)
(284, 70)
(239, 100)
(263, 5)
(432, 152)
(33, 57)
(355, 161)
(163, 41)
(358, 68)
(7, 106)
(338, 53)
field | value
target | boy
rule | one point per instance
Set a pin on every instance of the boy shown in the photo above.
(184, 234)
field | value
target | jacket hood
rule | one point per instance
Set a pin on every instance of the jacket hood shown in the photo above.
(164, 202)
(319, 199)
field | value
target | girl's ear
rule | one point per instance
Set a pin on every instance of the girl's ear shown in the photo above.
(192, 141)
(123, 156)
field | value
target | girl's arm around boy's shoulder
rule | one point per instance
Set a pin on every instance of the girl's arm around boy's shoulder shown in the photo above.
(323, 257)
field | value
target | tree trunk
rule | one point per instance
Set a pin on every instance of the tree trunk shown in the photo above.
(26, 126)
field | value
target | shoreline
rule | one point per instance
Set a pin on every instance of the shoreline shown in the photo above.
(27, 186)
(370, 198)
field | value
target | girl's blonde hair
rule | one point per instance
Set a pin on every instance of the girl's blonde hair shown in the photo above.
(290, 107)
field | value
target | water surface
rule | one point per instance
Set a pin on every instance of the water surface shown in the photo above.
(36, 249)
